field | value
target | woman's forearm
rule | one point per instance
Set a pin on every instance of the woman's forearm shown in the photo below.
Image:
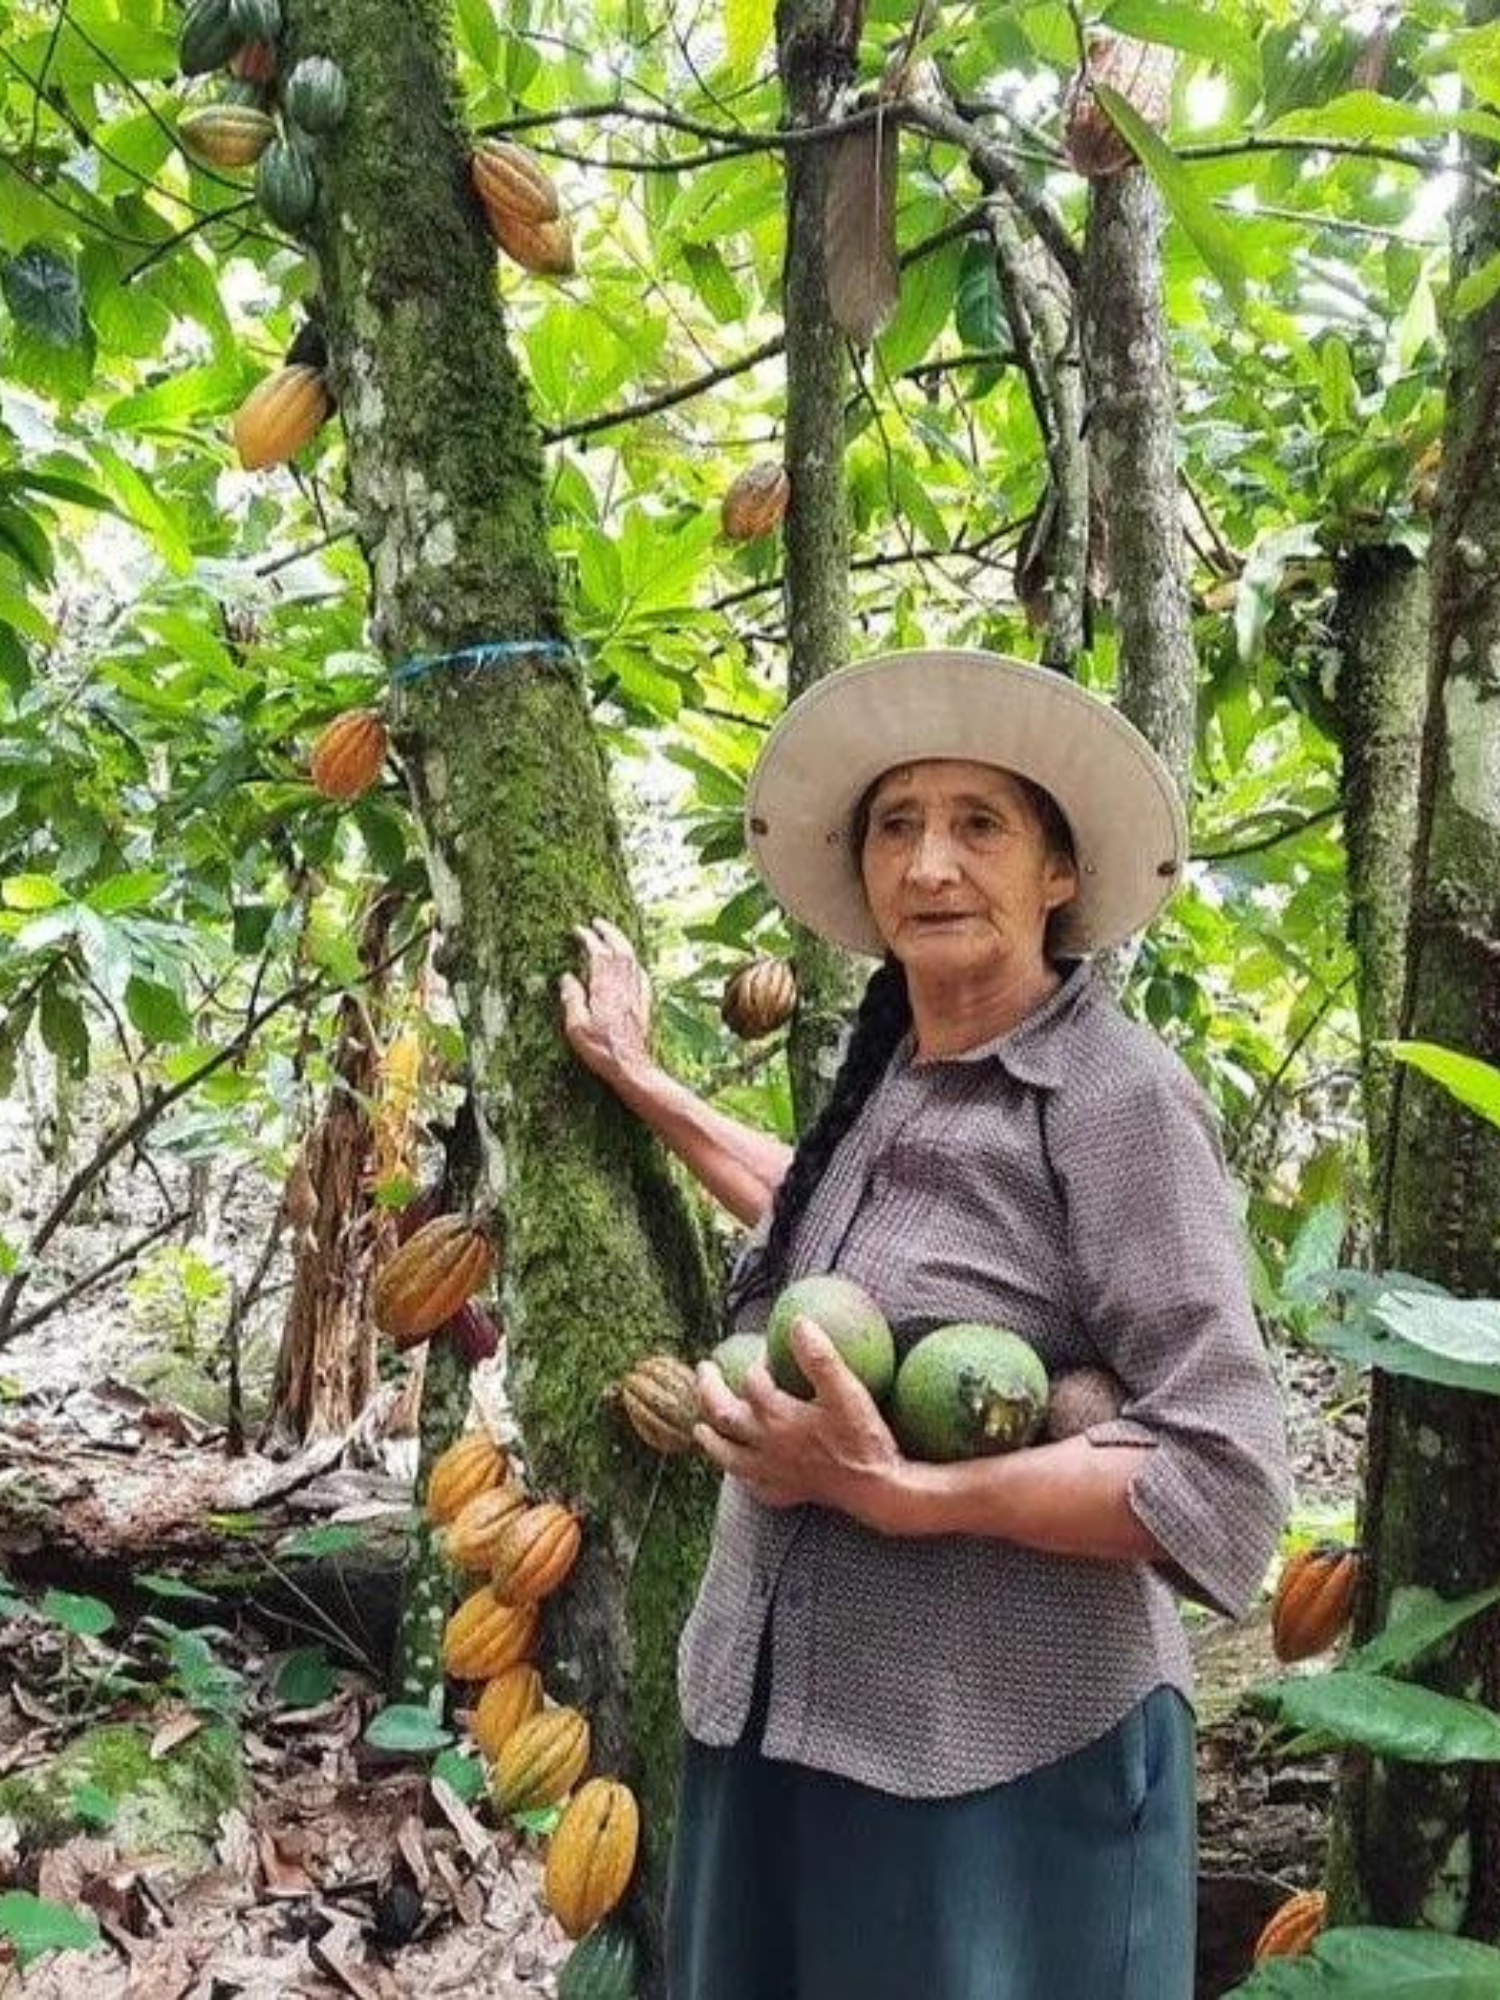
(1066, 1499)
(740, 1166)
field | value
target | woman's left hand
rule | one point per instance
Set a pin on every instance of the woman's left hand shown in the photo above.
(833, 1451)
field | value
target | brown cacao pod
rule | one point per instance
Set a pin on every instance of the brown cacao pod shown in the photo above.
(543, 1760)
(472, 1332)
(349, 754)
(484, 1636)
(759, 998)
(475, 1528)
(430, 1276)
(1081, 1397)
(1314, 1599)
(280, 415)
(513, 181)
(254, 62)
(533, 1553)
(508, 1700)
(543, 247)
(470, 1466)
(756, 502)
(1292, 1929)
(1141, 72)
(660, 1398)
(591, 1855)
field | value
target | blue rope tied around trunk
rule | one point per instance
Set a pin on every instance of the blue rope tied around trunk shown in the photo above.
(487, 653)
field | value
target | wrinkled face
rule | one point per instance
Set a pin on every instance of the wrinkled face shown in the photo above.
(957, 870)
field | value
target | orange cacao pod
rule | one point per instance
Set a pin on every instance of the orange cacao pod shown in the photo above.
(430, 1276)
(1141, 72)
(512, 180)
(542, 1761)
(349, 753)
(471, 1465)
(508, 1700)
(475, 1529)
(1313, 1601)
(280, 415)
(756, 502)
(1292, 1928)
(484, 1636)
(543, 247)
(759, 998)
(591, 1855)
(533, 1553)
(660, 1398)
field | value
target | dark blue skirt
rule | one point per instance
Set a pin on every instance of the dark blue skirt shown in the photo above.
(1074, 1882)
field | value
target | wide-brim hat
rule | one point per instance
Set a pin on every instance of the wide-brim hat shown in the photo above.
(833, 742)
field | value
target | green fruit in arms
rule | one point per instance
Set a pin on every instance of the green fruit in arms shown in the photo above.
(851, 1319)
(966, 1391)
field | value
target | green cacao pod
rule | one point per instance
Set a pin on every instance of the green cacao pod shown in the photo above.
(285, 184)
(207, 38)
(605, 1966)
(226, 135)
(255, 20)
(315, 95)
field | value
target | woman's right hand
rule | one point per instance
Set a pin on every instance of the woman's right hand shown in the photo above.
(607, 1013)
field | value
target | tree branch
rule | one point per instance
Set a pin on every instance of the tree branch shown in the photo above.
(1288, 832)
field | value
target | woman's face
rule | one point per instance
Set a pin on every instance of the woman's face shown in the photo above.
(957, 871)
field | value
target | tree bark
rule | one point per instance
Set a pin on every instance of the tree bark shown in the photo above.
(817, 43)
(600, 1259)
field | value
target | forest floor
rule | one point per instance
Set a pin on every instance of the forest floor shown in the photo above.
(337, 1869)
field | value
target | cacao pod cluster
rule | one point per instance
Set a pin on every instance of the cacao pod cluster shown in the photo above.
(1314, 1600)
(522, 208)
(759, 998)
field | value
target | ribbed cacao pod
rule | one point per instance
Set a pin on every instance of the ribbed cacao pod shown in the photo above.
(533, 1553)
(349, 755)
(254, 62)
(475, 1529)
(543, 247)
(755, 502)
(1314, 1599)
(430, 1276)
(286, 184)
(660, 1399)
(280, 415)
(512, 182)
(1080, 1398)
(605, 1966)
(206, 39)
(255, 20)
(471, 1333)
(315, 95)
(591, 1855)
(759, 998)
(484, 1637)
(470, 1466)
(544, 1759)
(1292, 1929)
(508, 1700)
(1141, 72)
(226, 135)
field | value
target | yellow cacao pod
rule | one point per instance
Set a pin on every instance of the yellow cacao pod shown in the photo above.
(508, 1700)
(512, 180)
(1294, 1926)
(280, 415)
(348, 755)
(474, 1531)
(755, 502)
(542, 1761)
(1314, 1600)
(759, 998)
(1141, 72)
(660, 1399)
(470, 1466)
(533, 1552)
(591, 1855)
(484, 1637)
(226, 135)
(426, 1281)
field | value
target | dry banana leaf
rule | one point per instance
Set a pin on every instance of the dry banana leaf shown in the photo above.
(859, 230)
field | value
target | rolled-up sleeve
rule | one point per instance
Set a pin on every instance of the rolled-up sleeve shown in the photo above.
(1159, 1272)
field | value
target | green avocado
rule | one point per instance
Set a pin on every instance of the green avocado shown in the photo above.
(851, 1319)
(966, 1391)
(736, 1356)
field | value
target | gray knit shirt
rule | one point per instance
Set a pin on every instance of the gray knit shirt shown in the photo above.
(1064, 1180)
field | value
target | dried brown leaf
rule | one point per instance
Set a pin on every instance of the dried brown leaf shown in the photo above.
(859, 231)
(176, 1729)
(475, 1840)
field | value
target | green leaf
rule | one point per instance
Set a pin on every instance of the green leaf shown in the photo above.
(126, 892)
(407, 1726)
(144, 507)
(65, 1031)
(1474, 292)
(1210, 234)
(1368, 1963)
(977, 312)
(193, 393)
(1475, 1084)
(747, 31)
(93, 1805)
(713, 283)
(1392, 1718)
(928, 291)
(31, 892)
(35, 1926)
(1186, 24)
(1315, 1248)
(173, 1587)
(333, 1538)
(1365, 114)
(1453, 1341)
(156, 1010)
(1417, 1632)
(463, 1773)
(84, 1617)
(539, 1820)
(41, 288)
(480, 32)
(305, 1678)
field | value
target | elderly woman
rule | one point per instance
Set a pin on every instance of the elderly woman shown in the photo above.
(939, 1740)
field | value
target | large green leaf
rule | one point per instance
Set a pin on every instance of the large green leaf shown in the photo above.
(36, 1925)
(1211, 235)
(1368, 1963)
(928, 291)
(1202, 31)
(1474, 1083)
(1418, 1631)
(747, 30)
(41, 288)
(1392, 1718)
(1364, 114)
(195, 393)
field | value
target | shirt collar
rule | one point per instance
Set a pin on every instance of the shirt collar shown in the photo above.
(1034, 1051)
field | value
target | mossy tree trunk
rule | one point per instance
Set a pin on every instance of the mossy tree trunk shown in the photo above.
(600, 1260)
(1418, 1843)
(817, 43)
